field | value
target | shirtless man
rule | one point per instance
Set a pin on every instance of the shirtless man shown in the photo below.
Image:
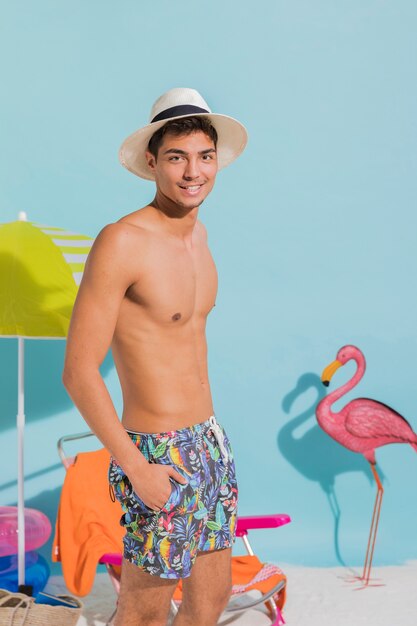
(148, 286)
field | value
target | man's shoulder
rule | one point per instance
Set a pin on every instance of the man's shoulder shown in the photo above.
(116, 249)
(120, 234)
(115, 253)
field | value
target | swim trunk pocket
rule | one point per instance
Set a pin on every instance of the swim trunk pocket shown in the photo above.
(124, 493)
(140, 505)
(181, 495)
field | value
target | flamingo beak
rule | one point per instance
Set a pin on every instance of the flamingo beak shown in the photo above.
(329, 371)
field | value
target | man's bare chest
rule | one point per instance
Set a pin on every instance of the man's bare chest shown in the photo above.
(173, 286)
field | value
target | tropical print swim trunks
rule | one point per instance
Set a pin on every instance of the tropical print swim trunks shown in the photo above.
(198, 516)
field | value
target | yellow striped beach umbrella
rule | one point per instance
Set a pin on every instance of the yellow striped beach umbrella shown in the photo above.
(40, 270)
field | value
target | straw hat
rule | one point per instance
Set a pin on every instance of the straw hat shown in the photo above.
(172, 105)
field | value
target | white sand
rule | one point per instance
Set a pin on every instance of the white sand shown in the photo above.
(322, 597)
(316, 597)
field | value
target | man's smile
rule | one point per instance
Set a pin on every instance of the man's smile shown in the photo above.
(191, 189)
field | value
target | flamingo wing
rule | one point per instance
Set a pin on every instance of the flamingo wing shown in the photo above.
(366, 418)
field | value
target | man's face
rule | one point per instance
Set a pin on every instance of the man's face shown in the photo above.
(185, 169)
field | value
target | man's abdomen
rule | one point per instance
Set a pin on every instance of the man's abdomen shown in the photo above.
(164, 383)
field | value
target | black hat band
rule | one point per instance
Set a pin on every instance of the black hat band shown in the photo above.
(181, 109)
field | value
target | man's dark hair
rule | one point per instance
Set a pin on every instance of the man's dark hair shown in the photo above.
(182, 126)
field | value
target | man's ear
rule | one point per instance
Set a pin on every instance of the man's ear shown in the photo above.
(151, 160)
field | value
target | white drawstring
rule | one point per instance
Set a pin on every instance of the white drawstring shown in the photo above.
(218, 433)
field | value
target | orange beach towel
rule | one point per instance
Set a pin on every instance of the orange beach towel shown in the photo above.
(87, 524)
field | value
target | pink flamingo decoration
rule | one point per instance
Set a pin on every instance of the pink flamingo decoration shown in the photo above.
(362, 426)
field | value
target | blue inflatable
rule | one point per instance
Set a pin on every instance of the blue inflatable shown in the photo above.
(36, 572)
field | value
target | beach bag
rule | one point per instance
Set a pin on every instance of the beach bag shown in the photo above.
(18, 609)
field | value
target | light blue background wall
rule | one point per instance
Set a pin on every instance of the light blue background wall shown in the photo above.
(314, 230)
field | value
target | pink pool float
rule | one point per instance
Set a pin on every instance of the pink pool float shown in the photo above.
(37, 530)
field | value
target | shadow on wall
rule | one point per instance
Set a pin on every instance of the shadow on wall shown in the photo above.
(313, 453)
(45, 395)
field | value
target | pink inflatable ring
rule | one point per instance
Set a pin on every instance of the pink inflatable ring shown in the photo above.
(37, 530)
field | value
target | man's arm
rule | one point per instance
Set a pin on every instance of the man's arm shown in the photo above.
(108, 274)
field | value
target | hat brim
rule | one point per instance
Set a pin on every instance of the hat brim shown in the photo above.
(232, 139)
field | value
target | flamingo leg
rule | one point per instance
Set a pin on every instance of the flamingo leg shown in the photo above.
(374, 528)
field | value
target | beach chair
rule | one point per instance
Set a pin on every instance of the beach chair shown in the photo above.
(88, 533)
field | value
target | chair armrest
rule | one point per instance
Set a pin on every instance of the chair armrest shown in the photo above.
(111, 558)
(253, 522)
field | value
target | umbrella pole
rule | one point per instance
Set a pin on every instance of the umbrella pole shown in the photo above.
(20, 467)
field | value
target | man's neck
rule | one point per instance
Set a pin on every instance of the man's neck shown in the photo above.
(177, 220)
